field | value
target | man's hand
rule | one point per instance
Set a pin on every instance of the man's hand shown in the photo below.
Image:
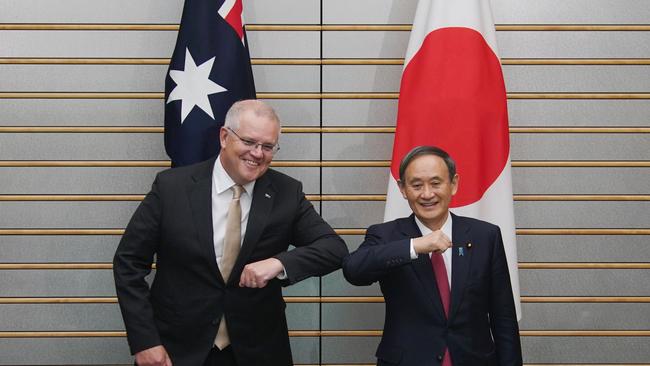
(154, 356)
(258, 274)
(436, 241)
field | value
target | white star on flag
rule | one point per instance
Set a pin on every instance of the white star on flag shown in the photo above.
(193, 85)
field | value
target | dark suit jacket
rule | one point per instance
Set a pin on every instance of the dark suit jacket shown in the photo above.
(482, 327)
(185, 303)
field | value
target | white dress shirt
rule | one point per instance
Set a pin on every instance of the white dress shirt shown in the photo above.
(447, 230)
(221, 198)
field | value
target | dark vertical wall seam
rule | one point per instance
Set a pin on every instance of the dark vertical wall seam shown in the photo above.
(320, 186)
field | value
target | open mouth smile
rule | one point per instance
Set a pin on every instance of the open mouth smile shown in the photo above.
(251, 163)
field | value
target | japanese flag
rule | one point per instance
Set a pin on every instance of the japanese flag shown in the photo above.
(452, 95)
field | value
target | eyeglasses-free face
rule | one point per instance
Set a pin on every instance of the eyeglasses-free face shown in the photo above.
(428, 188)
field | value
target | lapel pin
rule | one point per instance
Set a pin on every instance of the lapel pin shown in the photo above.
(267, 195)
(461, 251)
(469, 246)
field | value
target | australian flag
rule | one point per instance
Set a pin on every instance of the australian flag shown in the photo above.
(209, 71)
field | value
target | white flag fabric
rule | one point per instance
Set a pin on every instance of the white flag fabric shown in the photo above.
(452, 95)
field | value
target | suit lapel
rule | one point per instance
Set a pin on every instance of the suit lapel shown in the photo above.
(200, 196)
(262, 203)
(422, 266)
(460, 263)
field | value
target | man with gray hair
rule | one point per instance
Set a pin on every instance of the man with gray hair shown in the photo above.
(446, 304)
(220, 232)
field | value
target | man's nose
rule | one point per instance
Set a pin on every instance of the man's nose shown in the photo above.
(428, 192)
(257, 151)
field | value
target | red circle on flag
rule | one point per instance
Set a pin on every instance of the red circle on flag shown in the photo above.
(452, 95)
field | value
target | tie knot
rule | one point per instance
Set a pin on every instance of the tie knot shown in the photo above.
(237, 191)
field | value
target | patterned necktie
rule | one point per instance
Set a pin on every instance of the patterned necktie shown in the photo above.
(442, 281)
(231, 246)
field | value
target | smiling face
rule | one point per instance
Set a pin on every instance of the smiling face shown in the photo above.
(245, 164)
(428, 189)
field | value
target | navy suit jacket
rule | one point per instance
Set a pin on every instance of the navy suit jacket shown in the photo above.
(185, 303)
(482, 327)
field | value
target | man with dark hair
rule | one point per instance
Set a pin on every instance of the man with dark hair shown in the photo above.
(220, 230)
(446, 304)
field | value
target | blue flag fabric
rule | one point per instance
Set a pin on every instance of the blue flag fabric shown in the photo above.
(210, 69)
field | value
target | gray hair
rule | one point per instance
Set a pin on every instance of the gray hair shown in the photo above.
(258, 107)
(427, 150)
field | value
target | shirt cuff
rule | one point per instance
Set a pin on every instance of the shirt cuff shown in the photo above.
(414, 255)
(282, 275)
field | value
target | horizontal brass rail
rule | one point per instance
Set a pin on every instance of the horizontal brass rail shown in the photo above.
(340, 231)
(159, 95)
(585, 333)
(63, 334)
(312, 27)
(529, 265)
(585, 299)
(61, 231)
(147, 129)
(537, 231)
(80, 95)
(522, 266)
(80, 129)
(583, 231)
(73, 197)
(338, 300)
(499, 27)
(525, 364)
(333, 333)
(546, 364)
(578, 95)
(140, 197)
(85, 163)
(55, 266)
(324, 197)
(310, 164)
(580, 197)
(312, 61)
(608, 130)
(88, 27)
(574, 61)
(113, 300)
(154, 129)
(572, 27)
(373, 364)
(523, 333)
(524, 299)
(58, 300)
(84, 61)
(580, 164)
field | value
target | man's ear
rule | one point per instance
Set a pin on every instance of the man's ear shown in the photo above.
(454, 184)
(223, 132)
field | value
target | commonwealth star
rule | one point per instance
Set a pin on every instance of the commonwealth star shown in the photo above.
(193, 85)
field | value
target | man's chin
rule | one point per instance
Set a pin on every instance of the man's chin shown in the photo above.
(431, 214)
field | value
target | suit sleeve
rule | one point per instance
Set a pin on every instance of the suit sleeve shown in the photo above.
(319, 250)
(375, 258)
(131, 264)
(503, 317)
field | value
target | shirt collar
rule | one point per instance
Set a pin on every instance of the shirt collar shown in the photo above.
(223, 182)
(446, 227)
